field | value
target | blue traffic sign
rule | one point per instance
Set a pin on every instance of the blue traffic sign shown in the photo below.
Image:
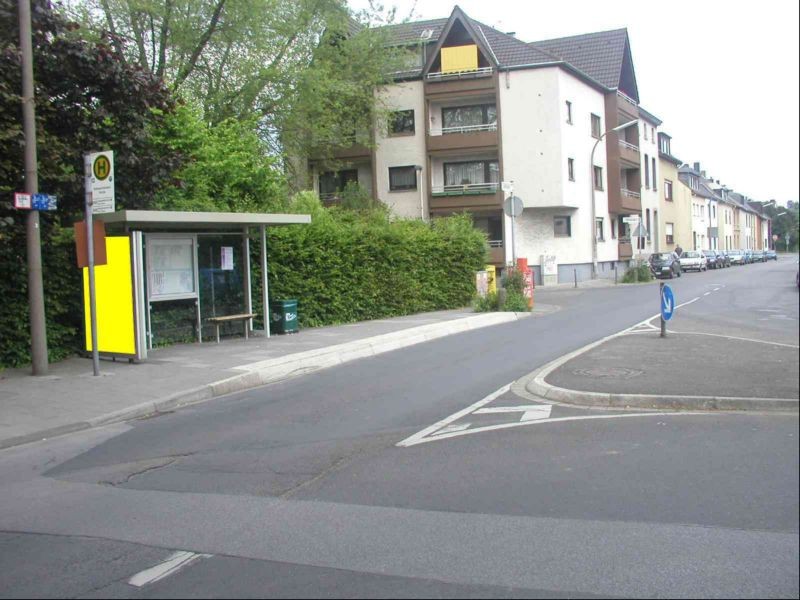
(44, 202)
(667, 303)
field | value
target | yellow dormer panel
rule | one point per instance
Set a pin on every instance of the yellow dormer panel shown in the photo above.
(460, 58)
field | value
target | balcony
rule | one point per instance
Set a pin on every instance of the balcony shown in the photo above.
(468, 196)
(629, 154)
(627, 107)
(468, 189)
(465, 137)
(497, 252)
(456, 75)
(625, 249)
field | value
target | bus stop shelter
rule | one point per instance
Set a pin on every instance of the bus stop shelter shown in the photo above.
(190, 266)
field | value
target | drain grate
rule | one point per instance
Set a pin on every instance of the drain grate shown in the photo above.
(608, 373)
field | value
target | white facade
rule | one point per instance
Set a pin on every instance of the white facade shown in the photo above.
(651, 182)
(537, 145)
(700, 222)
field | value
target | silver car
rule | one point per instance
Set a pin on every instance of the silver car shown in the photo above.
(693, 260)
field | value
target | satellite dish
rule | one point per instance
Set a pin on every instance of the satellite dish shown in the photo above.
(426, 34)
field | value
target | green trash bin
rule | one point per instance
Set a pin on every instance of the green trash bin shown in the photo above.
(284, 316)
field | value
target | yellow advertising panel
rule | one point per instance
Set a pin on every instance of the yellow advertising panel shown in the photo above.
(460, 58)
(114, 287)
(492, 276)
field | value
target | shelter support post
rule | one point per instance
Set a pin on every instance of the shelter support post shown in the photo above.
(248, 293)
(264, 280)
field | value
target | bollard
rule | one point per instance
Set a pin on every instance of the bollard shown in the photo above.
(575, 272)
(615, 274)
(663, 322)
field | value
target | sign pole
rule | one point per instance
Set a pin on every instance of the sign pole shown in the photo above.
(92, 290)
(663, 322)
(88, 210)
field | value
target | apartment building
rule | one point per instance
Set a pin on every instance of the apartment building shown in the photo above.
(478, 107)
(705, 208)
(651, 198)
(675, 201)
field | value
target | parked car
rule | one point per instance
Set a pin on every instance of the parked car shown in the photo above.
(725, 257)
(760, 255)
(665, 264)
(748, 257)
(693, 260)
(711, 259)
(772, 255)
(736, 257)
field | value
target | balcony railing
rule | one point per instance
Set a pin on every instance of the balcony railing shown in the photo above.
(482, 72)
(629, 146)
(495, 243)
(465, 189)
(627, 99)
(463, 129)
(630, 193)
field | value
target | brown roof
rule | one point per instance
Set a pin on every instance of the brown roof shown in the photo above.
(599, 55)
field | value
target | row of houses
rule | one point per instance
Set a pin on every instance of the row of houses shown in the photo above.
(560, 122)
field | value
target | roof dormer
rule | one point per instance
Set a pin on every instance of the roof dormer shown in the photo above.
(461, 51)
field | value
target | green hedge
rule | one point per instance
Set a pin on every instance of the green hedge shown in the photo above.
(351, 266)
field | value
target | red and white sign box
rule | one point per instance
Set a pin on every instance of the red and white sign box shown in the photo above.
(22, 201)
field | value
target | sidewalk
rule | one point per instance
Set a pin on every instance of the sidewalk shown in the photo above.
(70, 399)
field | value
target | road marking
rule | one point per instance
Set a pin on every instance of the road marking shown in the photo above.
(707, 294)
(507, 409)
(454, 417)
(544, 422)
(732, 337)
(452, 428)
(170, 566)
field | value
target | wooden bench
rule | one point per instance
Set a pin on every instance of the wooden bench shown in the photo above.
(217, 321)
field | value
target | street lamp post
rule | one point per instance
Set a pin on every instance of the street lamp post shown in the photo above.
(593, 224)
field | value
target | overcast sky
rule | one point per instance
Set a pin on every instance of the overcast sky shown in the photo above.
(723, 76)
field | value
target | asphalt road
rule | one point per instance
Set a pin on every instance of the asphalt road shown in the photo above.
(300, 489)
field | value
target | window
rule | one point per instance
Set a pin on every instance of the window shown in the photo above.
(669, 229)
(332, 182)
(401, 122)
(562, 226)
(569, 112)
(571, 168)
(613, 229)
(471, 173)
(596, 126)
(653, 134)
(646, 171)
(655, 187)
(668, 190)
(647, 223)
(598, 229)
(402, 178)
(598, 178)
(492, 226)
(459, 117)
(645, 132)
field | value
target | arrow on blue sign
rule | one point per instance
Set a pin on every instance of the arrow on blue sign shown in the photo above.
(667, 303)
(44, 202)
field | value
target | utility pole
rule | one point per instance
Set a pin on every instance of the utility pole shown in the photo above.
(34, 243)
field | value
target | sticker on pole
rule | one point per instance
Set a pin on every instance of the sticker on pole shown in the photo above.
(667, 303)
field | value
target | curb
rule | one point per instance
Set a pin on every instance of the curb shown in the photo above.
(279, 369)
(533, 386)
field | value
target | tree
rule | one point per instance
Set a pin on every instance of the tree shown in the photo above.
(226, 167)
(87, 98)
(306, 69)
